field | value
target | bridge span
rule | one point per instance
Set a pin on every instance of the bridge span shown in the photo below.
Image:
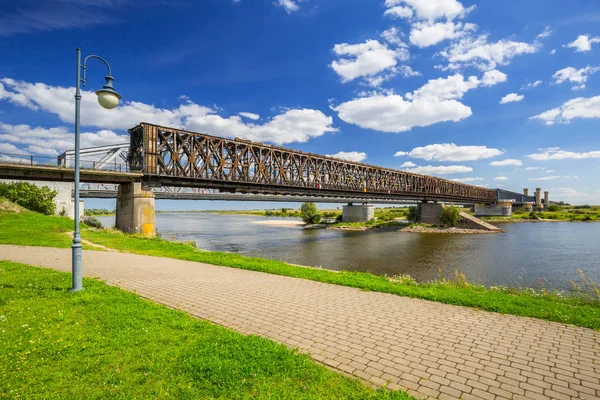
(234, 169)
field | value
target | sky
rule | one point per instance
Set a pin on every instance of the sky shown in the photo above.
(497, 94)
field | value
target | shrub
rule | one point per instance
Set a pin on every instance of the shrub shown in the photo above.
(412, 213)
(309, 213)
(339, 218)
(553, 208)
(92, 222)
(579, 212)
(29, 196)
(450, 215)
(519, 211)
(533, 215)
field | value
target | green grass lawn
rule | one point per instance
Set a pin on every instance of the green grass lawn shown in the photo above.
(105, 343)
(584, 310)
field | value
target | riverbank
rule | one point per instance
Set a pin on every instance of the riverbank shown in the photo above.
(581, 307)
(104, 342)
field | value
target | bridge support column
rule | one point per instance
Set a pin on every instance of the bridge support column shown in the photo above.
(358, 213)
(135, 210)
(429, 213)
(502, 209)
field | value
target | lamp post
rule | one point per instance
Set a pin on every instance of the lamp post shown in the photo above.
(109, 99)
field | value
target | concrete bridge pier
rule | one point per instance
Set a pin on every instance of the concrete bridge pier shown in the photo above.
(358, 213)
(135, 210)
(502, 209)
(429, 213)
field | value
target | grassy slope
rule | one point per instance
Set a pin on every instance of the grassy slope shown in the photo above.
(550, 307)
(107, 343)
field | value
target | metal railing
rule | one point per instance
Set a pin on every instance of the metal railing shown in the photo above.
(45, 161)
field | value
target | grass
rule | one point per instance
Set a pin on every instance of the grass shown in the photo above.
(578, 308)
(105, 343)
(565, 214)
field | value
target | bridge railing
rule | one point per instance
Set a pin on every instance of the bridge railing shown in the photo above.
(26, 159)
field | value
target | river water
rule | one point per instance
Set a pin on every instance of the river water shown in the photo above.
(527, 252)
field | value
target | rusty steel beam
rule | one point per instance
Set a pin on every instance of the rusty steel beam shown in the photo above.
(176, 157)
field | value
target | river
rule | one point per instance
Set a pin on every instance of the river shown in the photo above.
(527, 252)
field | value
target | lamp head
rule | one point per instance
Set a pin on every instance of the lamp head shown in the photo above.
(107, 96)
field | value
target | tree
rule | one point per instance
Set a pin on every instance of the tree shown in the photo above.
(412, 214)
(553, 207)
(29, 196)
(450, 215)
(309, 213)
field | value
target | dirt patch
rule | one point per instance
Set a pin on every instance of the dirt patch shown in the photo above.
(7, 205)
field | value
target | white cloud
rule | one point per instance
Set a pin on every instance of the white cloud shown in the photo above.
(547, 32)
(557, 154)
(292, 125)
(289, 5)
(250, 115)
(580, 107)
(550, 171)
(545, 178)
(578, 76)
(349, 155)
(501, 178)
(392, 36)
(408, 164)
(533, 168)
(583, 43)
(367, 60)
(531, 85)
(503, 163)
(466, 180)
(425, 34)
(53, 141)
(451, 152)
(432, 103)
(511, 98)
(478, 52)
(430, 10)
(10, 148)
(553, 52)
(440, 169)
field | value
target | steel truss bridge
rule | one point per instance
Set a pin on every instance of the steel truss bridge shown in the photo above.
(178, 158)
(178, 164)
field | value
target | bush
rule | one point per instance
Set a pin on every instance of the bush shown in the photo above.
(92, 222)
(450, 215)
(339, 218)
(519, 211)
(553, 208)
(309, 213)
(412, 214)
(533, 215)
(29, 196)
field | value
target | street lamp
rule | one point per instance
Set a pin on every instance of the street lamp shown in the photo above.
(108, 98)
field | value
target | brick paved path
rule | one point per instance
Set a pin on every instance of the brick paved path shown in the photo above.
(431, 349)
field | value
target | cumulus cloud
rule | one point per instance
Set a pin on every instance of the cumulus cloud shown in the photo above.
(292, 125)
(509, 161)
(466, 180)
(451, 152)
(425, 34)
(249, 115)
(289, 5)
(511, 98)
(581, 107)
(53, 141)
(349, 155)
(583, 43)
(478, 52)
(440, 169)
(429, 10)
(558, 154)
(434, 102)
(531, 85)
(371, 60)
(578, 76)
(408, 164)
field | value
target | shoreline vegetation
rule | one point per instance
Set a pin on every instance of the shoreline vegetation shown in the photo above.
(580, 306)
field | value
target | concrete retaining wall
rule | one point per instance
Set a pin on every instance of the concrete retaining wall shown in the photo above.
(358, 213)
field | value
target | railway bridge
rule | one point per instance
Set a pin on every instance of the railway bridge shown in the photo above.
(158, 157)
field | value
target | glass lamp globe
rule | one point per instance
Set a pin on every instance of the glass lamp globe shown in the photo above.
(107, 96)
(108, 99)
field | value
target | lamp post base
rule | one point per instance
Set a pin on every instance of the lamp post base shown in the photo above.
(76, 263)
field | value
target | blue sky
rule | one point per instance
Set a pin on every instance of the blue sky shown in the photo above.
(498, 94)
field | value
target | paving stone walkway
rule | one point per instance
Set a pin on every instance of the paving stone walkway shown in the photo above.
(429, 349)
